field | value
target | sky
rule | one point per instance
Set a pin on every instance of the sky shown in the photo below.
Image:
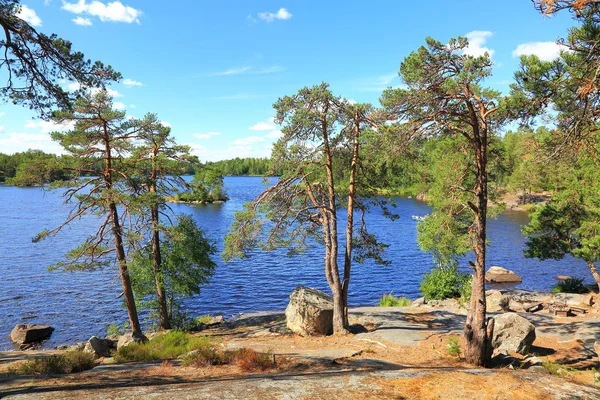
(212, 70)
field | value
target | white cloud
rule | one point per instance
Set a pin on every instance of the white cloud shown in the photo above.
(28, 15)
(232, 71)
(206, 135)
(113, 12)
(130, 82)
(249, 70)
(18, 142)
(476, 46)
(165, 123)
(2, 129)
(73, 86)
(546, 51)
(82, 21)
(376, 83)
(1, 114)
(49, 126)
(117, 105)
(132, 106)
(268, 125)
(274, 134)
(248, 140)
(281, 14)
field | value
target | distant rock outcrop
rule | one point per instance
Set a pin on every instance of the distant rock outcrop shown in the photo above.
(501, 275)
(310, 312)
(31, 333)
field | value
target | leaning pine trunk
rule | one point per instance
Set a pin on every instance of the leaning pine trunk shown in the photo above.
(163, 311)
(595, 273)
(477, 335)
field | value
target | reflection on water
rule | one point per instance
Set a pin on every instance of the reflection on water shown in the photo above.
(81, 304)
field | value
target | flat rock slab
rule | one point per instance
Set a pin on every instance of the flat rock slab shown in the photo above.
(30, 333)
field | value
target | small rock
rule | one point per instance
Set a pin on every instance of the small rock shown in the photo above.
(98, 347)
(501, 275)
(309, 312)
(30, 333)
(419, 302)
(496, 301)
(77, 347)
(513, 332)
(532, 361)
(563, 277)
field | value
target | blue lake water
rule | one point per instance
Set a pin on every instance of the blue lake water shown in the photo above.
(81, 304)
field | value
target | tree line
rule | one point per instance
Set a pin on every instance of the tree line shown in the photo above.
(442, 132)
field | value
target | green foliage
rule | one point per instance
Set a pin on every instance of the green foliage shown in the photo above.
(66, 363)
(162, 346)
(445, 283)
(207, 187)
(389, 300)
(114, 329)
(186, 266)
(453, 347)
(574, 285)
(244, 167)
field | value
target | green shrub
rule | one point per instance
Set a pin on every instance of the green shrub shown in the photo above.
(453, 347)
(574, 285)
(161, 347)
(70, 361)
(446, 283)
(389, 300)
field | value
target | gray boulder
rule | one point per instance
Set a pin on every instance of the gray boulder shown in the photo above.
(31, 333)
(98, 347)
(501, 275)
(129, 338)
(512, 332)
(496, 301)
(572, 299)
(310, 312)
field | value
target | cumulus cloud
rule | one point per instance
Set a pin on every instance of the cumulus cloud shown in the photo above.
(117, 105)
(476, 46)
(82, 21)
(19, 142)
(113, 12)
(28, 15)
(282, 14)
(2, 129)
(165, 123)
(206, 135)
(49, 126)
(268, 125)
(232, 71)
(130, 82)
(546, 51)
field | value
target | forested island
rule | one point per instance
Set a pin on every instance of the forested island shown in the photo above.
(446, 135)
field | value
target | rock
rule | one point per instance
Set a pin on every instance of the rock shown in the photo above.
(512, 332)
(129, 338)
(496, 301)
(98, 347)
(445, 304)
(310, 312)
(501, 275)
(572, 299)
(531, 362)
(419, 302)
(77, 347)
(523, 298)
(563, 277)
(597, 349)
(31, 333)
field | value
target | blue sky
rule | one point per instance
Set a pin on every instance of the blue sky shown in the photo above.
(213, 69)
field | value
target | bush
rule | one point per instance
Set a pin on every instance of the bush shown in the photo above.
(250, 360)
(69, 362)
(247, 359)
(453, 347)
(389, 300)
(446, 283)
(574, 285)
(161, 347)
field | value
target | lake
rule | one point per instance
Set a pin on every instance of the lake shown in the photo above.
(82, 304)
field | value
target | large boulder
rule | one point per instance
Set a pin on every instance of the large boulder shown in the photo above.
(519, 299)
(501, 275)
(31, 333)
(98, 347)
(573, 299)
(496, 301)
(512, 332)
(310, 312)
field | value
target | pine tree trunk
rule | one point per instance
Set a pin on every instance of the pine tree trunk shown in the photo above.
(163, 311)
(478, 336)
(595, 273)
(340, 317)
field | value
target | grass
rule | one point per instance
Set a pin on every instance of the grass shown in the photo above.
(389, 300)
(247, 359)
(162, 347)
(69, 362)
(553, 368)
(453, 347)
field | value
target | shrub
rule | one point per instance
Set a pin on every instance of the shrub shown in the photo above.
(574, 285)
(250, 360)
(207, 356)
(389, 300)
(453, 347)
(170, 345)
(70, 361)
(247, 359)
(445, 283)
